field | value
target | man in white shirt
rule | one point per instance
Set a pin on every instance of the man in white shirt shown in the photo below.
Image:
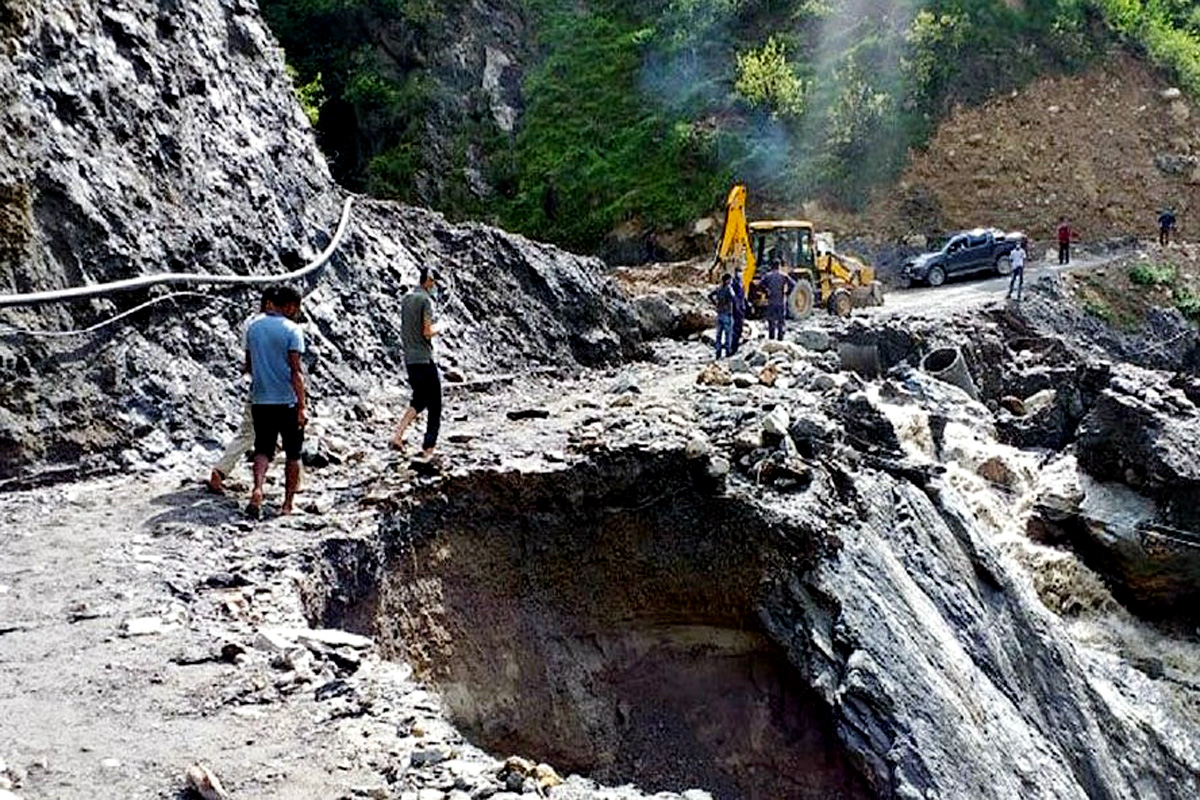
(1017, 257)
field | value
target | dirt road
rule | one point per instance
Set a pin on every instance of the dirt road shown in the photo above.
(973, 290)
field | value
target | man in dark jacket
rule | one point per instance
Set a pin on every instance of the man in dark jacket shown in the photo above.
(1166, 224)
(725, 300)
(778, 286)
(739, 315)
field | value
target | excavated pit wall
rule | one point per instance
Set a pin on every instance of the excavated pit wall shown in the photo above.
(634, 618)
(604, 618)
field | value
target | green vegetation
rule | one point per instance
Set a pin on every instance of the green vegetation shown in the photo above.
(311, 95)
(592, 153)
(1188, 303)
(765, 78)
(1153, 274)
(1099, 309)
(641, 114)
(1167, 30)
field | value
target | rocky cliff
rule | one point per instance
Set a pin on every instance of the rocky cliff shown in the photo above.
(156, 137)
(798, 573)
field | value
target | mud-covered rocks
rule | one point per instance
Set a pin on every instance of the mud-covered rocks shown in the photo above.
(1143, 432)
(141, 141)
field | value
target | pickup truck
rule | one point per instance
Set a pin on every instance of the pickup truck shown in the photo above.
(970, 251)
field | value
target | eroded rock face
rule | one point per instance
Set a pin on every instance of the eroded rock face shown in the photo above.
(166, 138)
(526, 593)
(1144, 432)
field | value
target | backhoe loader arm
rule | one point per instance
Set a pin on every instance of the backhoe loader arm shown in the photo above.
(735, 240)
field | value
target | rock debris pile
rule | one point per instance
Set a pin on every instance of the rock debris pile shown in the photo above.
(141, 140)
(810, 570)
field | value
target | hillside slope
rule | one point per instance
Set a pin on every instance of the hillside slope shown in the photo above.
(148, 139)
(1109, 148)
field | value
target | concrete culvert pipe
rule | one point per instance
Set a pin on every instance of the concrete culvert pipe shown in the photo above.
(862, 359)
(947, 364)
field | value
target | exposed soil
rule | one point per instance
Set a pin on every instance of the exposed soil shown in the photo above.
(604, 617)
(1106, 148)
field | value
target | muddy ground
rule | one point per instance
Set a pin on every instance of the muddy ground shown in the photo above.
(147, 626)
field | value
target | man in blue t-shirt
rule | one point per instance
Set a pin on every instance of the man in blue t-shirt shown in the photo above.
(278, 405)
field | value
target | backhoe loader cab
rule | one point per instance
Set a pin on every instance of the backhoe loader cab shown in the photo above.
(791, 240)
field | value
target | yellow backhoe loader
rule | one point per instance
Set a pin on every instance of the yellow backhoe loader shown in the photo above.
(822, 276)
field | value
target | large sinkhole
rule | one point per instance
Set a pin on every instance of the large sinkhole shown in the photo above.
(603, 619)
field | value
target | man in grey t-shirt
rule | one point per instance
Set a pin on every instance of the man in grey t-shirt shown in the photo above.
(416, 334)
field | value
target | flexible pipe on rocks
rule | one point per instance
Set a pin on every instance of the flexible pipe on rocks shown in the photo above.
(84, 292)
(14, 331)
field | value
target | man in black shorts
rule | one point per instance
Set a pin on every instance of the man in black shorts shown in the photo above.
(278, 405)
(416, 334)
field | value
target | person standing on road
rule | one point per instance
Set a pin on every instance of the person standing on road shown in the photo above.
(1166, 224)
(739, 315)
(777, 286)
(416, 335)
(1017, 257)
(725, 300)
(243, 440)
(279, 405)
(1066, 235)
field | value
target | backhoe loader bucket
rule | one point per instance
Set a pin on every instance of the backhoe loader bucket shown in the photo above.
(867, 296)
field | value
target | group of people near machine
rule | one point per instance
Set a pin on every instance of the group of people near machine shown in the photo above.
(732, 305)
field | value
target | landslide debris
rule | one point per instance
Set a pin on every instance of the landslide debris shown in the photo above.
(1109, 148)
(872, 529)
(144, 140)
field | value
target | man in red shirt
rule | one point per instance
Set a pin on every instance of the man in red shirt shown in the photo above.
(1066, 234)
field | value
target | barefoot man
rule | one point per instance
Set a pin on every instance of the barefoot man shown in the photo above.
(416, 333)
(273, 347)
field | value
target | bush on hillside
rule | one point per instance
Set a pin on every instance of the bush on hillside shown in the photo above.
(1153, 274)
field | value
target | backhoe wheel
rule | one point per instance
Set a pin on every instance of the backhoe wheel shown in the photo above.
(840, 303)
(936, 276)
(875, 293)
(1004, 265)
(800, 303)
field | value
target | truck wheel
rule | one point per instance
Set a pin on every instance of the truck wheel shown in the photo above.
(936, 276)
(800, 303)
(840, 303)
(1003, 265)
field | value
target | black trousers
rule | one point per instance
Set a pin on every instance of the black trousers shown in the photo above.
(1064, 252)
(273, 423)
(427, 396)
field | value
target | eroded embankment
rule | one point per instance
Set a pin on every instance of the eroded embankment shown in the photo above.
(604, 618)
